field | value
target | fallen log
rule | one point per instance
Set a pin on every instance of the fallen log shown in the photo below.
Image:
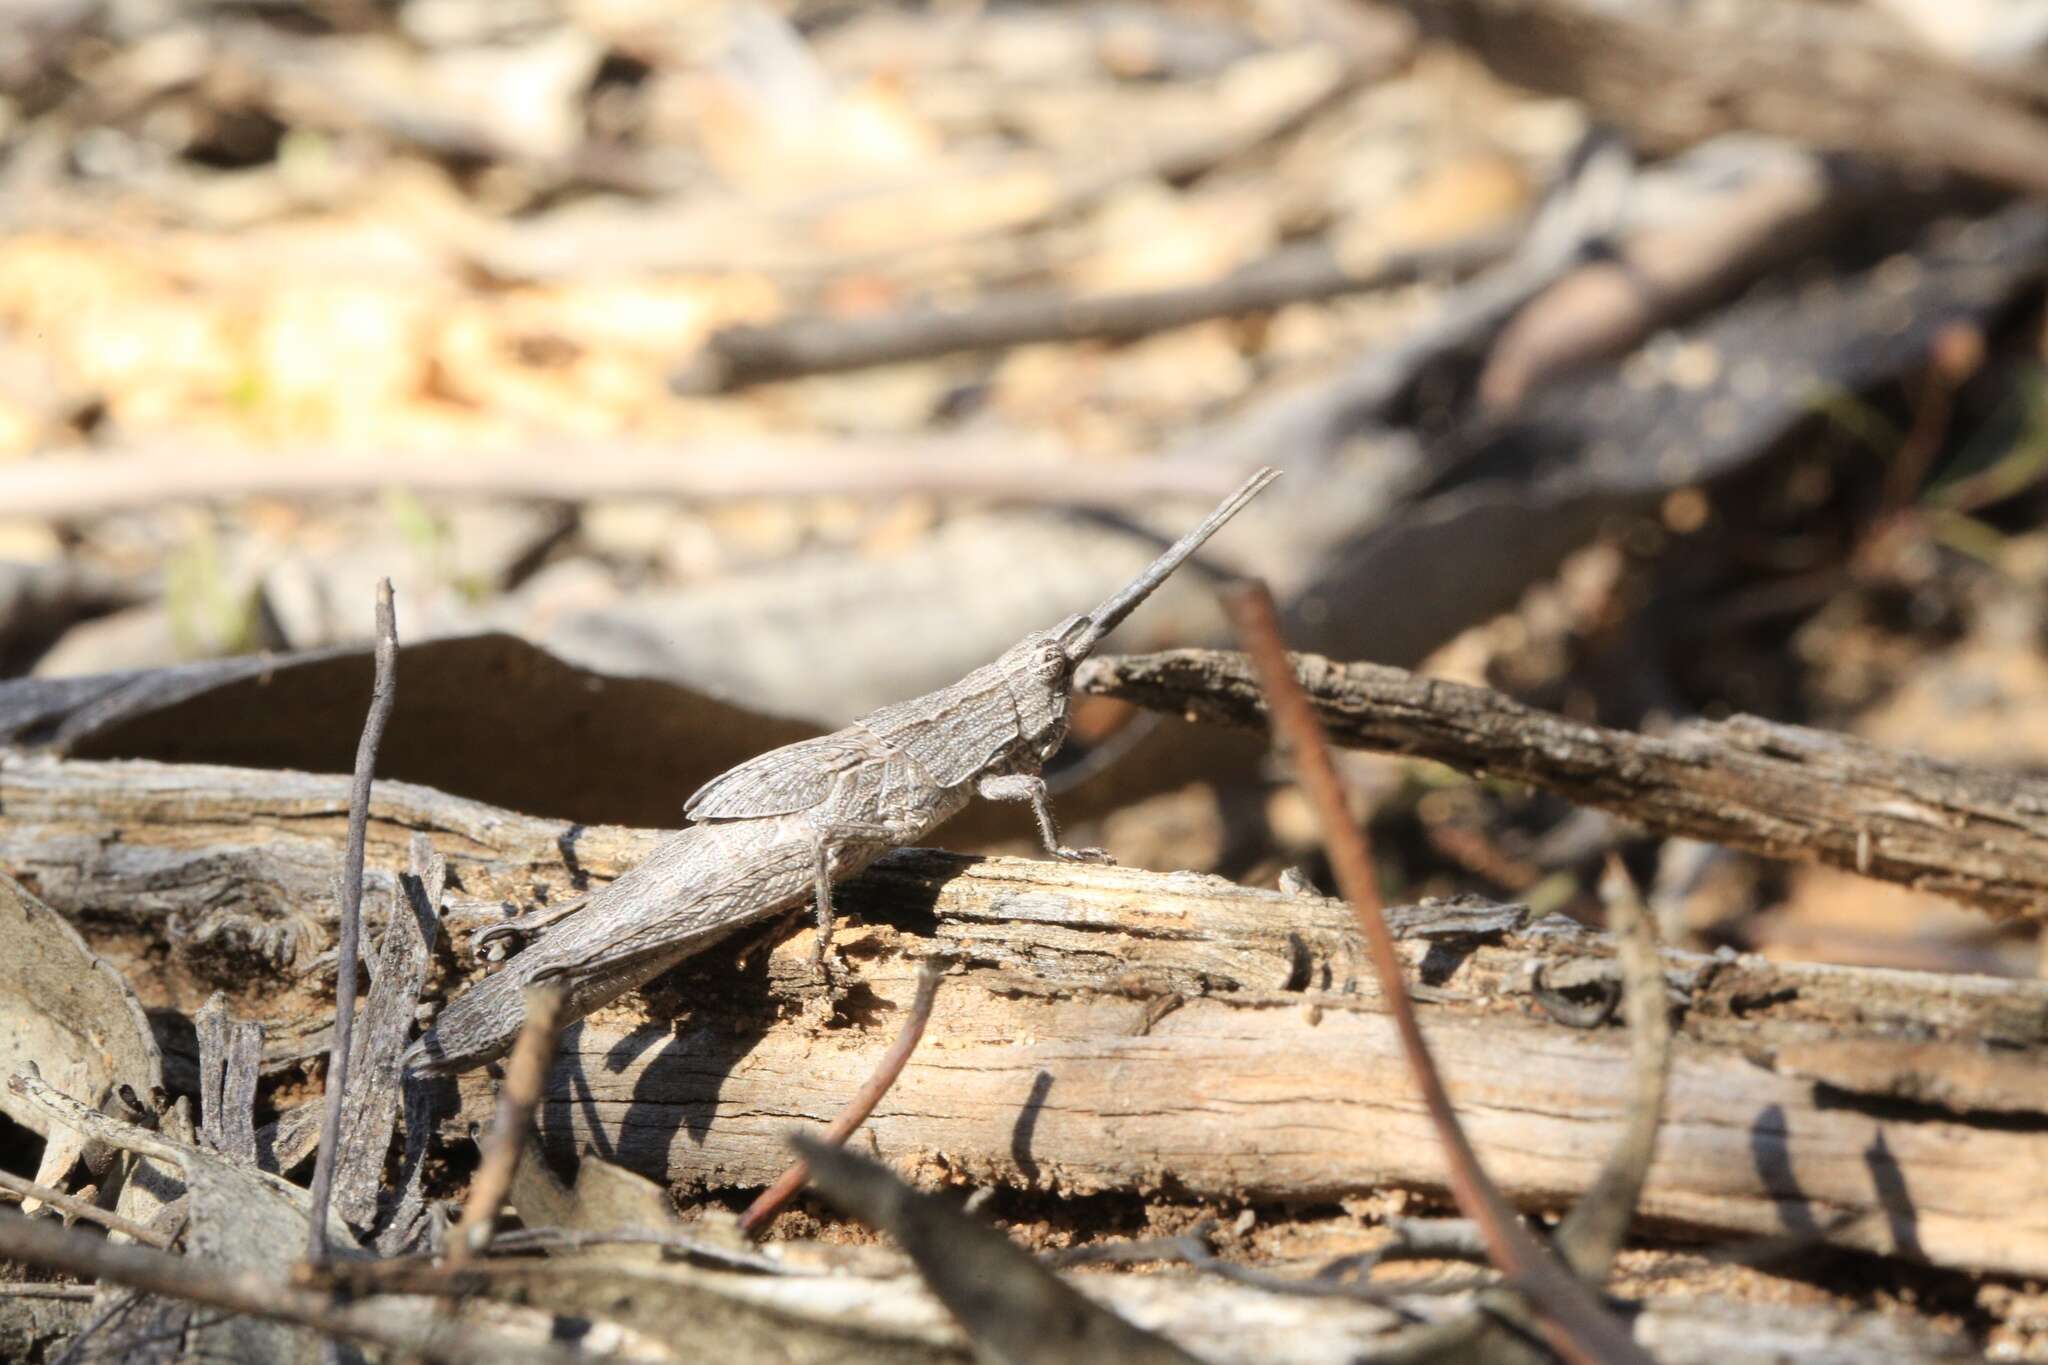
(1113, 1030)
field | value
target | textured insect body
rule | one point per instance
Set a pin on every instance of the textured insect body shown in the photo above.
(1016, 705)
(780, 829)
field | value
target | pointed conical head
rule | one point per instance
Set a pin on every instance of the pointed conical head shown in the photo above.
(1079, 635)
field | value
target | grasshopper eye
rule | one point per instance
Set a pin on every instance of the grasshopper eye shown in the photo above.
(1052, 663)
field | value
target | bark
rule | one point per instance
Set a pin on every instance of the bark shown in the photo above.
(1117, 1030)
(1978, 835)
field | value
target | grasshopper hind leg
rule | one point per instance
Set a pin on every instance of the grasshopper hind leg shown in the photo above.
(496, 942)
(828, 841)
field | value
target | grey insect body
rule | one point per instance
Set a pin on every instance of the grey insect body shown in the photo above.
(780, 829)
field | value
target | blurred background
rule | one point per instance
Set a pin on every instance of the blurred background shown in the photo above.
(707, 374)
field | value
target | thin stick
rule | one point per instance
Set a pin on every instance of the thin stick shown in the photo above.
(68, 488)
(418, 1274)
(762, 1211)
(525, 1073)
(45, 1289)
(383, 692)
(741, 355)
(79, 1208)
(1573, 1320)
(42, 1243)
(1593, 1231)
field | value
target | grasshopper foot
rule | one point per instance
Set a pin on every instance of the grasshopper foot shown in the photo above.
(1084, 855)
(828, 975)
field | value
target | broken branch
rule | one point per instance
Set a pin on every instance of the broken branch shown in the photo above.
(1592, 1232)
(39, 1243)
(79, 1208)
(754, 354)
(1974, 834)
(525, 1073)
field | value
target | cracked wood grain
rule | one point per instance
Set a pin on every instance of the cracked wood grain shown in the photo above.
(401, 970)
(1277, 1077)
(1975, 834)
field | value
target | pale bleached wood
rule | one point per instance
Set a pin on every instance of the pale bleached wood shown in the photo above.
(1118, 1030)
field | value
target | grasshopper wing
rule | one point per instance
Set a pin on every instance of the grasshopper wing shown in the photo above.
(793, 778)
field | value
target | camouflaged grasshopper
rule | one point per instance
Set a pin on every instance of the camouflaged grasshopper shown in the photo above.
(778, 830)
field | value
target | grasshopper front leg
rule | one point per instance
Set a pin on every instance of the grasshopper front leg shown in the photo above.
(1031, 787)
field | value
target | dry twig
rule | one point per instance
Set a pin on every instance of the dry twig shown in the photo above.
(1978, 835)
(763, 1210)
(67, 488)
(1574, 1321)
(1592, 1232)
(79, 1208)
(383, 693)
(525, 1072)
(753, 354)
(39, 1243)
(44, 1289)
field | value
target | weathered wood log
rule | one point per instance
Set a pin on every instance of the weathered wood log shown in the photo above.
(1976, 834)
(1117, 1030)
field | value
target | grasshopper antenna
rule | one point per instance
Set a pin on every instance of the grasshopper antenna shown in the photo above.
(1080, 634)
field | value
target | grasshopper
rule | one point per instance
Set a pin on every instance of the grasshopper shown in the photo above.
(780, 829)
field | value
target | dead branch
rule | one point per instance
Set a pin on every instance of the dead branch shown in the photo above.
(39, 1243)
(45, 1289)
(79, 1208)
(737, 356)
(383, 693)
(1975, 834)
(764, 1208)
(1592, 1233)
(1047, 1041)
(525, 1073)
(1573, 1320)
(69, 488)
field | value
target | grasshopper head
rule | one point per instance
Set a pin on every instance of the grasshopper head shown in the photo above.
(1036, 671)
(1038, 668)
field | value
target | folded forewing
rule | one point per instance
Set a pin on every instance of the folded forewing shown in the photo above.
(793, 778)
